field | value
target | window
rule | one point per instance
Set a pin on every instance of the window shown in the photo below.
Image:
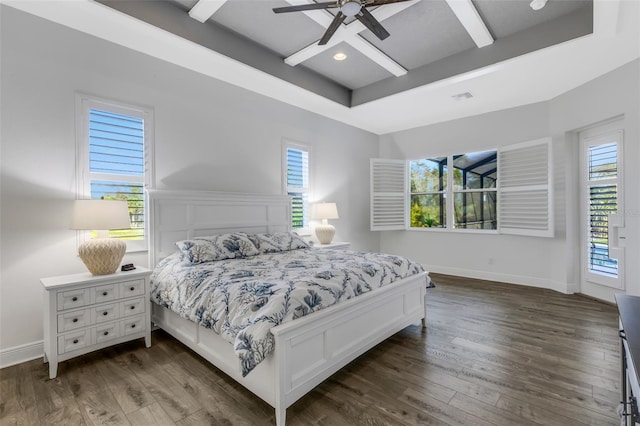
(602, 200)
(296, 179)
(471, 186)
(505, 191)
(428, 193)
(113, 146)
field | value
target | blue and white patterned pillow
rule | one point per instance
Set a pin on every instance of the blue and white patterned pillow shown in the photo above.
(277, 241)
(217, 247)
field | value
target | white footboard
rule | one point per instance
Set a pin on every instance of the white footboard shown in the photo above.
(310, 349)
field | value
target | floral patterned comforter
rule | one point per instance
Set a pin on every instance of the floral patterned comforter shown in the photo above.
(242, 299)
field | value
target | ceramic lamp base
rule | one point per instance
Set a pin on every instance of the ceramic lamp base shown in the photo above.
(325, 233)
(102, 256)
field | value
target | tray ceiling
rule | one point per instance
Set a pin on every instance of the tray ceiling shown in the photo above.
(446, 37)
(501, 52)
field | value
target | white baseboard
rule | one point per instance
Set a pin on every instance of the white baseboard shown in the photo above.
(22, 353)
(501, 277)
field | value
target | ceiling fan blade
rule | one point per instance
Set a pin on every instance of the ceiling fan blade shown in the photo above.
(301, 7)
(372, 24)
(335, 24)
(382, 2)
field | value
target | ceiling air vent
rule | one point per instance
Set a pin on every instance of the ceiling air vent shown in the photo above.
(462, 96)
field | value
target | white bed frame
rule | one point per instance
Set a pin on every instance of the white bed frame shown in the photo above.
(307, 350)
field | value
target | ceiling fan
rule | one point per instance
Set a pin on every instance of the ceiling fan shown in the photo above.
(346, 8)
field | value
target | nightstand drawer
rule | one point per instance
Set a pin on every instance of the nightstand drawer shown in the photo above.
(105, 293)
(74, 341)
(132, 307)
(131, 288)
(73, 299)
(133, 325)
(72, 320)
(107, 332)
(104, 313)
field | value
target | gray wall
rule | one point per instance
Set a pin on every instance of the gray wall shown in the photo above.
(208, 135)
(544, 262)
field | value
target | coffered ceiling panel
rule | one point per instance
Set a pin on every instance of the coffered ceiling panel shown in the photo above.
(424, 33)
(357, 70)
(505, 18)
(254, 19)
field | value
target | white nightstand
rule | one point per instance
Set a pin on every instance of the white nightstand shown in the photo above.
(84, 312)
(339, 245)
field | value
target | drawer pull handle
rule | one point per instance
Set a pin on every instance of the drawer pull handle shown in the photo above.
(106, 333)
(132, 307)
(133, 326)
(105, 313)
(75, 320)
(75, 341)
(104, 293)
(74, 299)
(132, 288)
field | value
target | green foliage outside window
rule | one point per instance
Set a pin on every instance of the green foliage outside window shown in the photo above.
(428, 182)
(134, 197)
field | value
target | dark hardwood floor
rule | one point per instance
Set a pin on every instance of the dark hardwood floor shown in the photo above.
(493, 354)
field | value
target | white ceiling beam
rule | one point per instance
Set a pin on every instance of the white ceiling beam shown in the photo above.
(469, 17)
(349, 34)
(205, 9)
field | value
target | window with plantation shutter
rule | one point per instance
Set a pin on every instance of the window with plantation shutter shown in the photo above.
(388, 194)
(603, 259)
(507, 191)
(114, 144)
(296, 178)
(525, 201)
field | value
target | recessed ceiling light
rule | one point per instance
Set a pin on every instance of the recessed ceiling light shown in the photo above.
(537, 4)
(340, 56)
(462, 96)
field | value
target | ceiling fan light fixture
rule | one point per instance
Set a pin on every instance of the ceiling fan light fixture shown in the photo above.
(340, 56)
(537, 4)
(350, 7)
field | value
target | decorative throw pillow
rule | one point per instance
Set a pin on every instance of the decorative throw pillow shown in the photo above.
(277, 241)
(217, 247)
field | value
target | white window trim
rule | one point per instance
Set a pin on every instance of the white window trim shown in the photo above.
(85, 102)
(286, 144)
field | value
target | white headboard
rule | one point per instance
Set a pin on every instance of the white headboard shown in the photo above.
(180, 215)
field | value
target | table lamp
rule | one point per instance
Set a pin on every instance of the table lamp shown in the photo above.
(101, 255)
(325, 211)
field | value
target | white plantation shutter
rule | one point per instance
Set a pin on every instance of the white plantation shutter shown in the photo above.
(525, 199)
(114, 149)
(388, 194)
(297, 178)
(116, 164)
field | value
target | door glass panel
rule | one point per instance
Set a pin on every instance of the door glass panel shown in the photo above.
(602, 163)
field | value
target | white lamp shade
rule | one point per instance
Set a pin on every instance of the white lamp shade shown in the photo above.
(325, 211)
(100, 215)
